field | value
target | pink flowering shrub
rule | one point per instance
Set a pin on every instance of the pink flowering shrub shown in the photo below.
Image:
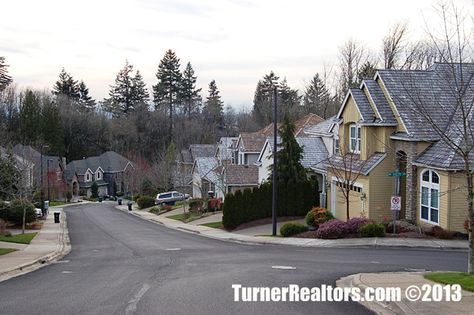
(332, 229)
(354, 224)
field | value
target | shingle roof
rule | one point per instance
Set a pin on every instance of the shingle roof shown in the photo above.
(363, 104)
(185, 157)
(30, 154)
(433, 88)
(241, 175)
(314, 150)
(225, 147)
(380, 101)
(109, 162)
(252, 142)
(301, 125)
(353, 162)
(204, 166)
(202, 150)
(322, 128)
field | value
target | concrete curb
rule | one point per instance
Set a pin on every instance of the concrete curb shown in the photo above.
(253, 240)
(45, 260)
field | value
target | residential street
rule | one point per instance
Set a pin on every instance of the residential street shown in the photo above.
(121, 264)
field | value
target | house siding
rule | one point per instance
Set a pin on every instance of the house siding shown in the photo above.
(457, 202)
(350, 115)
(381, 189)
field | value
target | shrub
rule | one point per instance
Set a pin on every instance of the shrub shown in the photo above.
(292, 228)
(195, 204)
(4, 209)
(439, 232)
(154, 210)
(354, 224)
(372, 230)
(94, 190)
(310, 218)
(136, 197)
(332, 229)
(15, 214)
(68, 196)
(119, 194)
(214, 204)
(166, 208)
(145, 202)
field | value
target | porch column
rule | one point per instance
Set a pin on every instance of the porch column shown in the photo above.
(411, 184)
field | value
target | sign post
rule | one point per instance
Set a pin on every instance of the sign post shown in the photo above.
(396, 199)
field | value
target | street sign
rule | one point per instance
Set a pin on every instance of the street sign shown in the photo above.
(397, 174)
(396, 203)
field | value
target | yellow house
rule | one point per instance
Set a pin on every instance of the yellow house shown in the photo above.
(380, 132)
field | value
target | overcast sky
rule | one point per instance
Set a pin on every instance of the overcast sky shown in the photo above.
(234, 42)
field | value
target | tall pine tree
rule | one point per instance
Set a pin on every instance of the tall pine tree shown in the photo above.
(52, 129)
(30, 118)
(317, 98)
(289, 154)
(262, 102)
(66, 85)
(167, 92)
(128, 93)
(189, 94)
(85, 102)
(5, 79)
(214, 107)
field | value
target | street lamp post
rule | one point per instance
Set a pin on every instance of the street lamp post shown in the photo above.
(274, 179)
(49, 191)
(41, 177)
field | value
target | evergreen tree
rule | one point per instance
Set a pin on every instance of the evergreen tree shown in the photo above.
(189, 94)
(66, 85)
(9, 175)
(289, 100)
(5, 79)
(167, 91)
(214, 107)
(317, 98)
(128, 93)
(30, 118)
(52, 129)
(366, 71)
(289, 154)
(85, 102)
(262, 102)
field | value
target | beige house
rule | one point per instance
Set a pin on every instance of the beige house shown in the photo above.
(379, 132)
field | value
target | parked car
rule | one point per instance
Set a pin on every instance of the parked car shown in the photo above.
(170, 197)
(39, 212)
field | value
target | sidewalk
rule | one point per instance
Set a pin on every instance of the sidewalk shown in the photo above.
(51, 242)
(403, 280)
(303, 242)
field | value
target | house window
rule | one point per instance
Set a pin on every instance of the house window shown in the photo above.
(98, 175)
(429, 197)
(336, 145)
(88, 177)
(354, 139)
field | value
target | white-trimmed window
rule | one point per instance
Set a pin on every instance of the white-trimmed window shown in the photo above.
(429, 196)
(354, 138)
(98, 175)
(88, 177)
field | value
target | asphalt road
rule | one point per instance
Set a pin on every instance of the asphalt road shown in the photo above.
(120, 264)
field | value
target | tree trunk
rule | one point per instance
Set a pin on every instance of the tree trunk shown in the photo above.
(347, 205)
(24, 221)
(470, 206)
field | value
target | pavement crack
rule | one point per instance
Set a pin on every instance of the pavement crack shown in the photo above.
(132, 304)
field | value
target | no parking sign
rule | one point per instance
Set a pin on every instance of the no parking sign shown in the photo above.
(396, 203)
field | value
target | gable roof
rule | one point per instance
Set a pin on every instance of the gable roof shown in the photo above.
(28, 153)
(251, 142)
(323, 128)
(354, 163)
(241, 175)
(307, 121)
(205, 166)
(109, 161)
(202, 150)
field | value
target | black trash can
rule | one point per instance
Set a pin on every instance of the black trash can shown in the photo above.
(100, 199)
(129, 206)
(119, 201)
(56, 217)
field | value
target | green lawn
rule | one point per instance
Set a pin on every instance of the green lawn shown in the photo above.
(19, 238)
(4, 251)
(185, 217)
(215, 225)
(56, 203)
(465, 280)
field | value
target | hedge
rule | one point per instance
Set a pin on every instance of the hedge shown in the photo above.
(14, 211)
(294, 199)
(292, 228)
(145, 202)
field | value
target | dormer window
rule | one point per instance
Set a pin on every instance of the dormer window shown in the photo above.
(98, 175)
(354, 138)
(88, 176)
